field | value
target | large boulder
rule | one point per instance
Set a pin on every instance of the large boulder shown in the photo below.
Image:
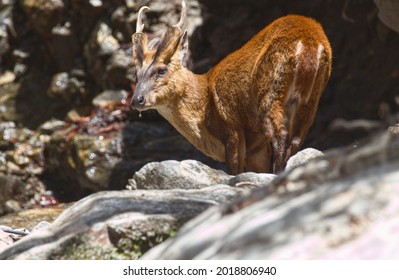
(171, 174)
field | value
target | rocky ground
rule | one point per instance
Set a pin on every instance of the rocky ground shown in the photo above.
(66, 76)
(343, 205)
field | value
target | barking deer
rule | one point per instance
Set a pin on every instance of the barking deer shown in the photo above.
(254, 108)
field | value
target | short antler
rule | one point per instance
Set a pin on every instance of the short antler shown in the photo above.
(139, 39)
(140, 24)
(183, 15)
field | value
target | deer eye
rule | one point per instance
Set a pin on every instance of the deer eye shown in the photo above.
(161, 72)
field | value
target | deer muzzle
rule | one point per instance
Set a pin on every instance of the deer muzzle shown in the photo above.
(138, 100)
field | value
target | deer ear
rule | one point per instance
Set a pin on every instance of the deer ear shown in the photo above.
(154, 43)
(183, 48)
(173, 47)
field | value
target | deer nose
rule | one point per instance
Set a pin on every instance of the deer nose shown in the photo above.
(138, 101)
(141, 100)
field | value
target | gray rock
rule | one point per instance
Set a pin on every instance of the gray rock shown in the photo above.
(7, 2)
(51, 126)
(12, 205)
(102, 41)
(40, 226)
(394, 129)
(251, 178)
(96, 3)
(98, 49)
(5, 239)
(4, 40)
(334, 207)
(6, 77)
(110, 98)
(14, 233)
(303, 157)
(64, 85)
(117, 69)
(171, 174)
(118, 224)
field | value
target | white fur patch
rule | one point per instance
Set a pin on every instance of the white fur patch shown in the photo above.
(292, 92)
(299, 47)
(320, 50)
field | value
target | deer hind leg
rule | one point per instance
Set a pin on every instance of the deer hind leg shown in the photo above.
(235, 151)
(274, 76)
(304, 109)
(295, 123)
(275, 129)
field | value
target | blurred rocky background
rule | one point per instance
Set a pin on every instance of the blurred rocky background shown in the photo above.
(66, 76)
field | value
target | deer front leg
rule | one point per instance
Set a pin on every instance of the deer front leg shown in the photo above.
(235, 151)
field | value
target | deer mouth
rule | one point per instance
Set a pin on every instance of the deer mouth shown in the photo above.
(140, 104)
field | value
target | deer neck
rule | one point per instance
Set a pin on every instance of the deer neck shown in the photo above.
(188, 114)
(187, 111)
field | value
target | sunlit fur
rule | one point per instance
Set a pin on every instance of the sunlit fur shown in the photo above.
(253, 109)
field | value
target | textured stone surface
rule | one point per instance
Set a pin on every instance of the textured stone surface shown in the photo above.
(343, 206)
(5, 239)
(171, 174)
(303, 157)
(119, 224)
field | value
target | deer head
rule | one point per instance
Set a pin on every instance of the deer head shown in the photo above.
(158, 63)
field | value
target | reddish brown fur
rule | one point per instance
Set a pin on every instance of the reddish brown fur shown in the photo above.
(253, 109)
